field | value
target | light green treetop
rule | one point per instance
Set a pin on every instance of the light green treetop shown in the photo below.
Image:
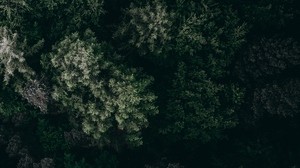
(11, 57)
(112, 100)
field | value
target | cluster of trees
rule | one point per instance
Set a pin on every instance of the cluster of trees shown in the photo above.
(154, 84)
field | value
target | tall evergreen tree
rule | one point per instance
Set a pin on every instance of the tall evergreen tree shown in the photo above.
(12, 12)
(147, 27)
(11, 56)
(113, 101)
(209, 35)
(198, 108)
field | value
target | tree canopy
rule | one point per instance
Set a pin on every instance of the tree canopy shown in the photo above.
(153, 84)
(112, 99)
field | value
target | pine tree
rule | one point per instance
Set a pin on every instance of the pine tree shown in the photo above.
(147, 27)
(11, 57)
(281, 99)
(12, 11)
(209, 35)
(199, 108)
(62, 17)
(269, 57)
(112, 100)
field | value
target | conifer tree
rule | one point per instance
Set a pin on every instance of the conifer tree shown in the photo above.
(198, 108)
(281, 99)
(62, 17)
(269, 57)
(112, 100)
(12, 11)
(13, 65)
(209, 35)
(147, 27)
(11, 57)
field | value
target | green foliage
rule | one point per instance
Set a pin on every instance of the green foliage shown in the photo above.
(269, 57)
(9, 104)
(210, 35)
(61, 17)
(106, 160)
(12, 11)
(278, 99)
(9, 108)
(269, 15)
(197, 109)
(148, 27)
(200, 107)
(51, 138)
(95, 97)
(256, 152)
(11, 56)
(70, 162)
(103, 160)
(13, 66)
(112, 100)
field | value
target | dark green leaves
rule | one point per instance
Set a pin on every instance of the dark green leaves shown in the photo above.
(197, 108)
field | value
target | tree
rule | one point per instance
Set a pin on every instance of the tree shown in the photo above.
(62, 17)
(12, 11)
(14, 146)
(13, 65)
(11, 56)
(77, 138)
(51, 138)
(47, 163)
(269, 16)
(25, 162)
(10, 103)
(198, 108)
(147, 27)
(277, 99)
(112, 100)
(209, 34)
(269, 57)
(70, 162)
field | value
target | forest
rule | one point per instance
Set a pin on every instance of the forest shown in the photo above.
(149, 84)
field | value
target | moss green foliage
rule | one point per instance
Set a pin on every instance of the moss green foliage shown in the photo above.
(112, 100)
(103, 160)
(9, 104)
(197, 109)
(106, 159)
(70, 162)
(51, 138)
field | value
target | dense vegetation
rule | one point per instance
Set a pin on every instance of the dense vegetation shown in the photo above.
(149, 84)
